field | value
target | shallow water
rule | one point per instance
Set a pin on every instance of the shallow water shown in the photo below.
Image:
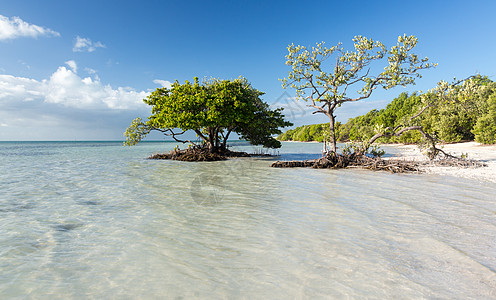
(98, 220)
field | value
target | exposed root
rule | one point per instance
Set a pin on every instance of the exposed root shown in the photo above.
(198, 154)
(457, 163)
(336, 161)
(391, 165)
(293, 164)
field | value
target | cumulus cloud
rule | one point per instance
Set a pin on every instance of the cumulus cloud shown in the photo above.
(15, 27)
(65, 87)
(67, 106)
(86, 45)
(163, 83)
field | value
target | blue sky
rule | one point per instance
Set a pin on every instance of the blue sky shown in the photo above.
(77, 70)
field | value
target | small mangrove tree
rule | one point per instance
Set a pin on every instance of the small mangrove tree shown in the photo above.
(354, 75)
(213, 110)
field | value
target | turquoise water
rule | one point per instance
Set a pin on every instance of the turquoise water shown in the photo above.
(98, 220)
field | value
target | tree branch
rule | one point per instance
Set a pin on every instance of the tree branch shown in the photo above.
(170, 132)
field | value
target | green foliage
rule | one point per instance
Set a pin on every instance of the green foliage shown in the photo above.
(212, 109)
(350, 148)
(343, 131)
(356, 147)
(136, 132)
(456, 109)
(364, 127)
(400, 109)
(376, 151)
(263, 125)
(306, 133)
(485, 128)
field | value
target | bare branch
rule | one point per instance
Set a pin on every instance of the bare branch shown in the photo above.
(420, 112)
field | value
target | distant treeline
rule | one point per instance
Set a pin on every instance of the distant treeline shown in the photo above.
(463, 120)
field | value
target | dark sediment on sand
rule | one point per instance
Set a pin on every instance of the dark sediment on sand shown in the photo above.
(195, 154)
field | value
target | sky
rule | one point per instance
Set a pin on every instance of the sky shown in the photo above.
(78, 70)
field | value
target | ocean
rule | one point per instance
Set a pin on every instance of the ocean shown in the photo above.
(98, 220)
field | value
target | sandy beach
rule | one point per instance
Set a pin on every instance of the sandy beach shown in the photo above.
(473, 150)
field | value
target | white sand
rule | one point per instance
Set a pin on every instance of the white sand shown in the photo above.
(484, 153)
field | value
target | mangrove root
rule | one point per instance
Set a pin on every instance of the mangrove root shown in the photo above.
(336, 161)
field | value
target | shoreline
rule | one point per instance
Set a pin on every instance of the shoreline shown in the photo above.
(473, 150)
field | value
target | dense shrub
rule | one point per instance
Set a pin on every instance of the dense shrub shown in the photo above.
(485, 128)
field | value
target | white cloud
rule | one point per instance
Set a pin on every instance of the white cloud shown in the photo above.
(84, 44)
(163, 83)
(66, 88)
(90, 71)
(67, 106)
(19, 88)
(72, 64)
(15, 28)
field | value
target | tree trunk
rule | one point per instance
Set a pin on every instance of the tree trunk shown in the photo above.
(211, 141)
(198, 132)
(216, 139)
(224, 142)
(332, 142)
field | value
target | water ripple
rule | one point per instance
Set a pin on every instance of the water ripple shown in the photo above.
(100, 221)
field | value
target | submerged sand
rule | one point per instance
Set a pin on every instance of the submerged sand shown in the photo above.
(473, 150)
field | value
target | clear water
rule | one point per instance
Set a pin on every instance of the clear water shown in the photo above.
(98, 220)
